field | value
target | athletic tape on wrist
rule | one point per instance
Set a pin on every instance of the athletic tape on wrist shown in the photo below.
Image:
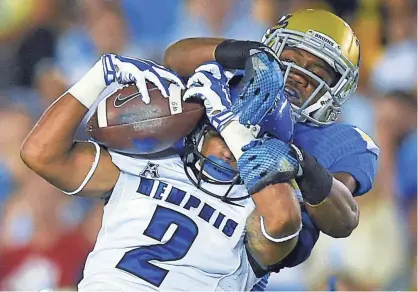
(232, 54)
(90, 86)
(236, 136)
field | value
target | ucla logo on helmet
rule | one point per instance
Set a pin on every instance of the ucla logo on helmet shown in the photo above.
(283, 22)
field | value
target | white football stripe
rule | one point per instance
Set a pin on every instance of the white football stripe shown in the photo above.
(102, 114)
(174, 99)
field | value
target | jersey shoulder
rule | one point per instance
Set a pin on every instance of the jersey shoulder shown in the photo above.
(342, 148)
(335, 141)
(162, 168)
(365, 142)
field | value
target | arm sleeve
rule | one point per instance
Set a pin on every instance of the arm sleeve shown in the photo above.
(361, 166)
(355, 153)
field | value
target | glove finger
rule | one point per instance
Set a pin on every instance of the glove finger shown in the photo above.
(161, 83)
(249, 157)
(200, 78)
(213, 68)
(242, 103)
(125, 78)
(238, 105)
(206, 79)
(108, 63)
(243, 168)
(193, 92)
(221, 95)
(140, 64)
(283, 151)
(168, 75)
(245, 95)
(214, 97)
(193, 81)
(142, 87)
(215, 100)
(252, 144)
(255, 113)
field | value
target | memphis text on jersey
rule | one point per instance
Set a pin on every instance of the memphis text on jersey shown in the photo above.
(176, 197)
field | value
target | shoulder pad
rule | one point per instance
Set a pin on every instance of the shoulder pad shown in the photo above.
(370, 144)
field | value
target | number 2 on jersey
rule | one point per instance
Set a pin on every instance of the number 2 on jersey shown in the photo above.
(137, 261)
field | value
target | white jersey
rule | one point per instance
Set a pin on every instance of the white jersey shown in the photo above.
(159, 232)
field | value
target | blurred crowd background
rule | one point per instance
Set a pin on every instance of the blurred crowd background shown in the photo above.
(47, 45)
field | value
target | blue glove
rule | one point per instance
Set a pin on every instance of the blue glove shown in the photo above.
(209, 83)
(279, 121)
(261, 87)
(267, 161)
(124, 70)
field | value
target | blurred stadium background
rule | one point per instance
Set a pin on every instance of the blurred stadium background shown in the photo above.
(46, 45)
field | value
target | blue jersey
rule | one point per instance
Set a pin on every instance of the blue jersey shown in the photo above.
(339, 148)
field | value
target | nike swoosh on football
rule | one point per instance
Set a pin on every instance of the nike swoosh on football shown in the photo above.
(121, 100)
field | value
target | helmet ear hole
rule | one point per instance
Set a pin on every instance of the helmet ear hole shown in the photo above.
(189, 158)
(336, 78)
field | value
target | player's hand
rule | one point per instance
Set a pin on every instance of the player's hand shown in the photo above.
(210, 84)
(125, 70)
(261, 89)
(278, 122)
(267, 161)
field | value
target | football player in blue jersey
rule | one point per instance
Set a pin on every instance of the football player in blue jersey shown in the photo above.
(320, 57)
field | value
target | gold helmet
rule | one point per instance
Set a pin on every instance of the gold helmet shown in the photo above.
(330, 38)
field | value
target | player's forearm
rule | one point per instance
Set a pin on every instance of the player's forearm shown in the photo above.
(186, 55)
(328, 197)
(52, 137)
(281, 213)
(279, 207)
(338, 215)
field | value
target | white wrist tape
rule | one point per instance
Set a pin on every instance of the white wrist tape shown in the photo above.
(283, 239)
(236, 136)
(90, 86)
(90, 173)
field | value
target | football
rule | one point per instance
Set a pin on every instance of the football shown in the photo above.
(124, 123)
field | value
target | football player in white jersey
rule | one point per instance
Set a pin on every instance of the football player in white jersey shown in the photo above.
(180, 222)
